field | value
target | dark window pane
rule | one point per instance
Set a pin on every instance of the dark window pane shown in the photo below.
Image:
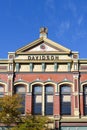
(65, 89)
(37, 104)
(37, 100)
(21, 91)
(22, 109)
(49, 100)
(1, 89)
(49, 90)
(66, 108)
(49, 105)
(85, 100)
(37, 90)
(37, 108)
(65, 100)
(85, 89)
(1, 94)
(85, 110)
(49, 109)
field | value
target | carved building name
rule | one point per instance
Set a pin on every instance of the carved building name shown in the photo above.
(43, 57)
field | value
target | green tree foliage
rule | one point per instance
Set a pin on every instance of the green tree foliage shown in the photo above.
(31, 122)
(9, 109)
(10, 114)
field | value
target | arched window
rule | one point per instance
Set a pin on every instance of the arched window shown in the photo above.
(37, 100)
(20, 89)
(1, 91)
(65, 100)
(42, 99)
(49, 100)
(85, 99)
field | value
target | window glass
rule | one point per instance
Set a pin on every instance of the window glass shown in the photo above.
(37, 90)
(65, 102)
(22, 109)
(37, 100)
(85, 99)
(49, 89)
(1, 91)
(21, 91)
(37, 104)
(49, 100)
(66, 98)
(38, 95)
(65, 89)
(85, 89)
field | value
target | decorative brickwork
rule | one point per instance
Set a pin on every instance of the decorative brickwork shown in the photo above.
(46, 63)
(3, 68)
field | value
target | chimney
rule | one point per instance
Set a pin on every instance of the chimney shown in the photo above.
(43, 32)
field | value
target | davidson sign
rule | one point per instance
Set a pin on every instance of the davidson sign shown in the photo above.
(43, 57)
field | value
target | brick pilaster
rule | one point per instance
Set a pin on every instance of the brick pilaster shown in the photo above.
(28, 104)
(76, 94)
(56, 105)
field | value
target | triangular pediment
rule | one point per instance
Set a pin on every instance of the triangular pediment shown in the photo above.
(43, 45)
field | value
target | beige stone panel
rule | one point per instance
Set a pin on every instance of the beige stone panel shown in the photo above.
(37, 68)
(83, 67)
(66, 98)
(76, 112)
(50, 98)
(22, 57)
(24, 68)
(3, 67)
(38, 99)
(63, 67)
(64, 57)
(49, 67)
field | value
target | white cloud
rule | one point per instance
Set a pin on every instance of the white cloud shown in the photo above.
(71, 7)
(63, 27)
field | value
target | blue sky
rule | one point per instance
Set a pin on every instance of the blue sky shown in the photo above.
(20, 21)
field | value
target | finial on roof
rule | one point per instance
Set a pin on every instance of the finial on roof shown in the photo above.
(43, 32)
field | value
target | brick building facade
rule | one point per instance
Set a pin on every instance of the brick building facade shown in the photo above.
(51, 79)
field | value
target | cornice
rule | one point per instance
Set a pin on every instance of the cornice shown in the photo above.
(41, 61)
(29, 45)
(2, 61)
(83, 61)
(63, 49)
(44, 52)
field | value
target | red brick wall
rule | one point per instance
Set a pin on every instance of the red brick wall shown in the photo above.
(72, 104)
(56, 105)
(28, 104)
(44, 77)
(81, 105)
(83, 77)
(4, 77)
